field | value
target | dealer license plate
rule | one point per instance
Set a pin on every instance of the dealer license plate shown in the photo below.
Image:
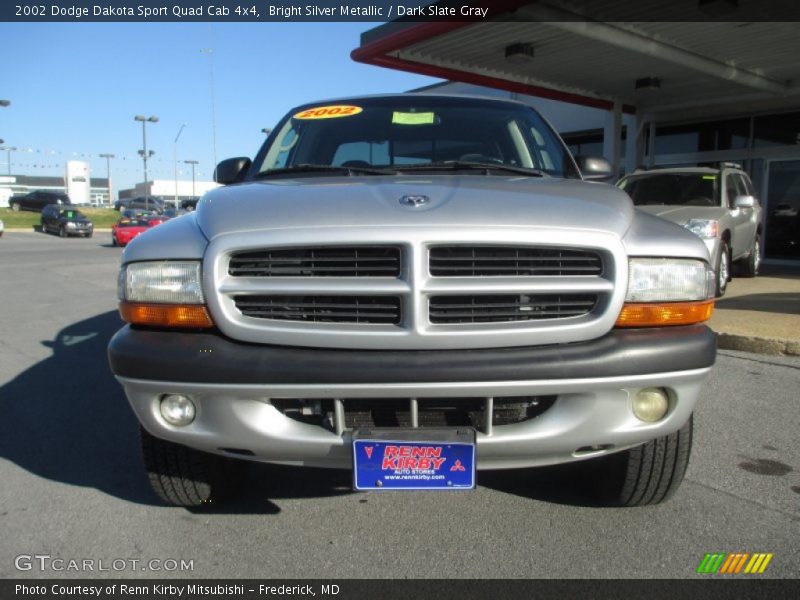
(414, 459)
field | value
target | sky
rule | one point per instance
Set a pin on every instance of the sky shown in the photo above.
(75, 88)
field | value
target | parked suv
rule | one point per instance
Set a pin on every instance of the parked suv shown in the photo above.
(37, 200)
(412, 287)
(65, 221)
(719, 205)
(152, 203)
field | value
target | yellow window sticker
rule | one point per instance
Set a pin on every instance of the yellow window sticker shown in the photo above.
(420, 118)
(711, 177)
(328, 112)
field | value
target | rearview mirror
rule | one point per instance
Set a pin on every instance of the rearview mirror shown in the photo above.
(231, 170)
(594, 168)
(744, 202)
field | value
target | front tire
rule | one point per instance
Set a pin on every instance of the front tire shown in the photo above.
(723, 269)
(750, 265)
(647, 474)
(62, 232)
(182, 476)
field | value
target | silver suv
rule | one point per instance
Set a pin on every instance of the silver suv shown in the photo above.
(719, 205)
(415, 287)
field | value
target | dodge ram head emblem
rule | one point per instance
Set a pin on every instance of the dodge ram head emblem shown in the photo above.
(414, 201)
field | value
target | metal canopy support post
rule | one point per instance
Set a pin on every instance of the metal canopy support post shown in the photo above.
(651, 144)
(612, 138)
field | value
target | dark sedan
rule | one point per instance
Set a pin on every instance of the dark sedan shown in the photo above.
(38, 199)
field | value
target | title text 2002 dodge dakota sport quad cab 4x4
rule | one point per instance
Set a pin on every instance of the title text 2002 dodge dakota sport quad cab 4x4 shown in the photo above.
(413, 287)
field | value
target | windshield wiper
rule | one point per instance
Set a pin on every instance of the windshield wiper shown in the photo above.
(479, 166)
(308, 168)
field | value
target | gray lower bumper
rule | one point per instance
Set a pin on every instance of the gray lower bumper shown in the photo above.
(232, 386)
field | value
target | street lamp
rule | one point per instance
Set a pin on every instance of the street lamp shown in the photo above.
(108, 158)
(193, 163)
(266, 130)
(9, 150)
(143, 153)
(5, 103)
(175, 161)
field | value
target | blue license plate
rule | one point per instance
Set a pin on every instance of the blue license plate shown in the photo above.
(413, 465)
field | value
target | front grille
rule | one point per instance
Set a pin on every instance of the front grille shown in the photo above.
(430, 412)
(512, 261)
(352, 261)
(321, 309)
(508, 307)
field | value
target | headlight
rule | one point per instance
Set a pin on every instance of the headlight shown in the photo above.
(163, 294)
(704, 228)
(70, 225)
(161, 283)
(668, 280)
(667, 291)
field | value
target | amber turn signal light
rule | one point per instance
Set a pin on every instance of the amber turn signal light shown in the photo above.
(187, 316)
(664, 314)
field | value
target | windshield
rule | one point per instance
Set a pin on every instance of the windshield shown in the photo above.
(399, 134)
(689, 189)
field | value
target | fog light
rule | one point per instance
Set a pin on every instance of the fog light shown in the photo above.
(650, 404)
(177, 410)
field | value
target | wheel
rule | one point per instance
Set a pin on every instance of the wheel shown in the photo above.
(62, 232)
(723, 269)
(647, 474)
(748, 267)
(88, 235)
(182, 476)
(114, 240)
(15, 206)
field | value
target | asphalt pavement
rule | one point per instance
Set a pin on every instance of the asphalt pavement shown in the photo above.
(73, 486)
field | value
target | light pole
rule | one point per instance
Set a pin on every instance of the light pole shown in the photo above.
(108, 158)
(5, 103)
(193, 163)
(266, 130)
(210, 53)
(9, 150)
(175, 161)
(143, 153)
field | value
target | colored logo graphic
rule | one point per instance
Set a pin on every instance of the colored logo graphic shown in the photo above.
(722, 563)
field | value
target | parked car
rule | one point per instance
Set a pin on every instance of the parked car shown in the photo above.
(152, 203)
(717, 204)
(426, 286)
(35, 201)
(2, 228)
(189, 204)
(124, 230)
(65, 221)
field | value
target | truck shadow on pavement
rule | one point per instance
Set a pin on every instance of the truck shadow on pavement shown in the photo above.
(67, 419)
(781, 303)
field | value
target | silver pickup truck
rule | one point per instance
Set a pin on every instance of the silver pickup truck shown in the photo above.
(415, 288)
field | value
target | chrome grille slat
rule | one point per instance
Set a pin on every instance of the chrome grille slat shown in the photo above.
(523, 307)
(334, 261)
(519, 261)
(322, 309)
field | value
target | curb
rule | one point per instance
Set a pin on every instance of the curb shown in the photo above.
(26, 230)
(758, 345)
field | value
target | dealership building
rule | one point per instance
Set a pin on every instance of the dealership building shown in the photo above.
(642, 93)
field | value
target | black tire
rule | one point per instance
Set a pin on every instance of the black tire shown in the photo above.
(15, 206)
(114, 240)
(722, 270)
(88, 235)
(749, 266)
(647, 474)
(182, 476)
(62, 232)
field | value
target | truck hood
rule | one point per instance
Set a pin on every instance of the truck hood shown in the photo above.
(682, 214)
(470, 200)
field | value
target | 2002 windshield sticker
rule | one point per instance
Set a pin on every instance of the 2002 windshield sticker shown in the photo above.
(328, 112)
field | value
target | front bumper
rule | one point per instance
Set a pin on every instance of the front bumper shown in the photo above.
(232, 384)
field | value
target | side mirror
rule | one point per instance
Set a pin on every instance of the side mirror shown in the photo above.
(594, 168)
(231, 170)
(744, 202)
